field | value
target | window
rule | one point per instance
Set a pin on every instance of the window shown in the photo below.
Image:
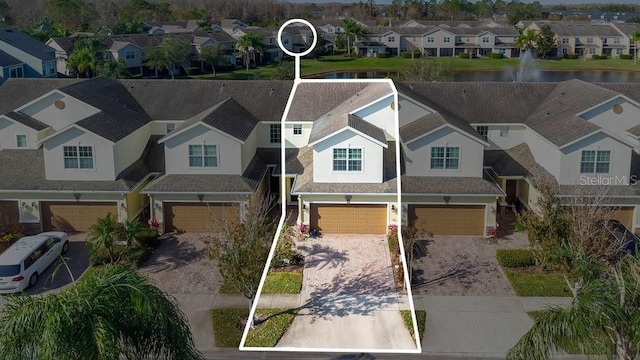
(391, 39)
(347, 159)
(565, 51)
(445, 157)
(274, 133)
(16, 73)
(616, 40)
(483, 131)
(297, 129)
(595, 161)
(604, 40)
(447, 39)
(430, 39)
(592, 51)
(78, 157)
(21, 141)
(589, 40)
(129, 55)
(286, 41)
(169, 127)
(618, 51)
(504, 131)
(485, 39)
(565, 40)
(203, 156)
(49, 68)
(414, 39)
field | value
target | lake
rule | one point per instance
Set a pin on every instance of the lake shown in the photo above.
(505, 75)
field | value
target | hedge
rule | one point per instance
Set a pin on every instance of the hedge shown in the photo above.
(515, 257)
(382, 55)
(626, 56)
(599, 57)
(493, 55)
(570, 56)
(410, 54)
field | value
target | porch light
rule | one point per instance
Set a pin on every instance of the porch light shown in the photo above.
(123, 206)
(304, 206)
(447, 199)
(158, 206)
(200, 197)
(393, 208)
(77, 196)
(34, 205)
(348, 198)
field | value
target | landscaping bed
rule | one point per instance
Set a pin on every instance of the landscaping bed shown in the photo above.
(526, 278)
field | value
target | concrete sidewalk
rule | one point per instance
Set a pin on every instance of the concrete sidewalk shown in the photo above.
(459, 326)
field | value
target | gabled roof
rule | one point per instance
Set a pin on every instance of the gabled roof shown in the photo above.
(120, 114)
(228, 116)
(63, 42)
(27, 120)
(17, 92)
(8, 60)
(447, 185)
(517, 161)
(555, 118)
(27, 44)
(305, 105)
(333, 124)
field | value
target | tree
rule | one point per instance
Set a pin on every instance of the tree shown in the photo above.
(241, 250)
(546, 40)
(87, 55)
(211, 55)
(427, 69)
(635, 38)
(353, 30)
(116, 69)
(248, 45)
(110, 313)
(527, 39)
(102, 234)
(602, 318)
(413, 244)
(170, 54)
(284, 70)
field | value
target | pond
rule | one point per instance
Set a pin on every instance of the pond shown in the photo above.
(505, 75)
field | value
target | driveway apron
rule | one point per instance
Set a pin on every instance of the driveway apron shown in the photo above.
(349, 299)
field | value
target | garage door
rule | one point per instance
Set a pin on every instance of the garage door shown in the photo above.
(198, 217)
(9, 214)
(625, 216)
(448, 220)
(74, 216)
(349, 219)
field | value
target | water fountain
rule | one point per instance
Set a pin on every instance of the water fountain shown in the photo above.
(527, 70)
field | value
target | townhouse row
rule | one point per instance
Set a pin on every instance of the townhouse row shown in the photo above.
(179, 151)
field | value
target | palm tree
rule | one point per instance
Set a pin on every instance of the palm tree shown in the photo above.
(602, 318)
(248, 45)
(635, 38)
(354, 29)
(527, 39)
(83, 61)
(110, 313)
(103, 234)
(130, 231)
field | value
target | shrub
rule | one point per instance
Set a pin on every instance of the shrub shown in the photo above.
(464, 55)
(193, 70)
(515, 257)
(411, 54)
(570, 56)
(382, 55)
(599, 57)
(626, 56)
(285, 253)
(519, 227)
(493, 55)
(13, 233)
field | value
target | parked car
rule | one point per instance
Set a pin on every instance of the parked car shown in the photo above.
(27, 258)
(626, 236)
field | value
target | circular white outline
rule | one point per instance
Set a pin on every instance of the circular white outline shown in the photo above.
(291, 53)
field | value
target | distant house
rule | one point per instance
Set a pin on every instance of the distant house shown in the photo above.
(23, 56)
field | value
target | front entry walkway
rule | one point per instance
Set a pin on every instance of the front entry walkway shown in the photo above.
(349, 299)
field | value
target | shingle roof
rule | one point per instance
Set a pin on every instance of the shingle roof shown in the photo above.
(635, 130)
(27, 120)
(27, 44)
(305, 105)
(445, 185)
(17, 92)
(227, 116)
(579, 28)
(331, 124)
(421, 126)
(555, 118)
(180, 100)
(120, 114)
(64, 43)
(8, 60)
(517, 161)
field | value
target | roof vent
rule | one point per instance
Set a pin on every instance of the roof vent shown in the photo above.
(271, 91)
(617, 108)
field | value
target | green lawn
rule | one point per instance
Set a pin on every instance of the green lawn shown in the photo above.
(340, 63)
(228, 332)
(537, 284)
(283, 282)
(268, 333)
(421, 317)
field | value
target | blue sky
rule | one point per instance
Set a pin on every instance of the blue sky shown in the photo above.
(543, 2)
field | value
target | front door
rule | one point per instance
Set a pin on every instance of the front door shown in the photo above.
(511, 188)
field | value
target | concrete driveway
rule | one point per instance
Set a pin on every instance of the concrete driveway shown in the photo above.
(349, 297)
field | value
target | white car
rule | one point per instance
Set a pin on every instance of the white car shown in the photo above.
(27, 258)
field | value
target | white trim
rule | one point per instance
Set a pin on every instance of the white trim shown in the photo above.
(78, 157)
(347, 171)
(26, 139)
(178, 131)
(202, 145)
(55, 91)
(69, 127)
(444, 158)
(293, 129)
(357, 132)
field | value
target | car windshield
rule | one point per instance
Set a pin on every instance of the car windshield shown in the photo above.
(9, 270)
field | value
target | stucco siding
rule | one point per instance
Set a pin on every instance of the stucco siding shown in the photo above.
(46, 111)
(410, 111)
(514, 135)
(381, 115)
(9, 131)
(418, 154)
(177, 152)
(617, 124)
(545, 153)
(619, 166)
(129, 149)
(264, 140)
(103, 160)
(371, 160)
(297, 141)
(249, 148)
